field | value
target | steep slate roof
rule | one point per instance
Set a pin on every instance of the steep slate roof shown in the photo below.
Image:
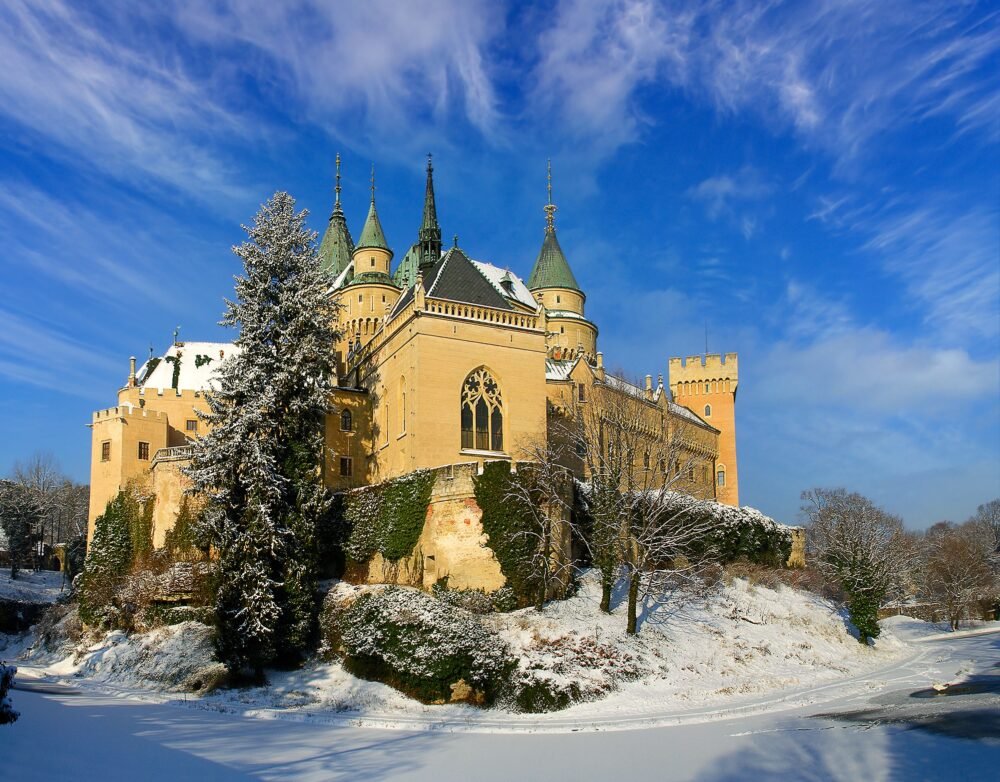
(457, 278)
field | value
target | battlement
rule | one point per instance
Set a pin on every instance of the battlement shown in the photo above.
(127, 411)
(712, 366)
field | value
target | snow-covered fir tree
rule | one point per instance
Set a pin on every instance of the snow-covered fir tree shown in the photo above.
(259, 465)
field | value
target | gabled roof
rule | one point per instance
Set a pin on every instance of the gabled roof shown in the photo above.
(551, 269)
(458, 278)
(518, 290)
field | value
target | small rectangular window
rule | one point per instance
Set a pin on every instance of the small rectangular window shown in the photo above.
(106, 451)
(345, 466)
(144, 451)
(191, 425)
(721, 478)
(581, 392)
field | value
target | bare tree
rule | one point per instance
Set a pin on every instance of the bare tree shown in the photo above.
(957, 569)
(637, 453)
(19, 516)
(859, 547)
(986, 521)
(543, 488)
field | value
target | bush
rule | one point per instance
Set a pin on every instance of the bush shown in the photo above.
(7, 713)
(476, 601)
(428, 649)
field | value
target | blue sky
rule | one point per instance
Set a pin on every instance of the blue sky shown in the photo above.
(815, 182)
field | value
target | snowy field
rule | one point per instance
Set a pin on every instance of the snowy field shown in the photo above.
(890, 726)
(45, 586)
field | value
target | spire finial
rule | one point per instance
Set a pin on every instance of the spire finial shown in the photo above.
(455, 238)
(336, 189)
(550, 208)
(373, 183)
(430, 166)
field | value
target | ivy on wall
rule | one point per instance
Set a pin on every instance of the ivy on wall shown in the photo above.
(387, 518)
(151, 366)
(200, 360)
(176, 361)
(505, 518)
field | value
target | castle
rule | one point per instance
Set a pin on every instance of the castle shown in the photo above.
(443, 362)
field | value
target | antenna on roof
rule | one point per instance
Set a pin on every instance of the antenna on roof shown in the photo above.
(706, 337)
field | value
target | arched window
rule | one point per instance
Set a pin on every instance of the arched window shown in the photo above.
(482, 412)
(720, 477)
(346, 421)
(708, 411)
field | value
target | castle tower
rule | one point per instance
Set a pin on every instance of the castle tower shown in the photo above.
(337, 246)
(370, 294)
(553, 284)
(708, 387)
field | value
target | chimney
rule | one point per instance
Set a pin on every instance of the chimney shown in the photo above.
(649, 387)
(131, 372)
(600, 365)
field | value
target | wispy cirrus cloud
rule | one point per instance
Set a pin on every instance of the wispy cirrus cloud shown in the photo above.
(98, 89)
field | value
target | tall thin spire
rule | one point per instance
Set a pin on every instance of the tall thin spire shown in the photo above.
(336, 189)
(550, 208)
(373, 183)
(429, 237)
(337, 246)
(371, 234)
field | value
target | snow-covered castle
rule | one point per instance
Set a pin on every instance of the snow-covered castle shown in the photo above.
(444, 362)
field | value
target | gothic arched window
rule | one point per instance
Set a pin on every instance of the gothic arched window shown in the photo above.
(346, 421)
(708, 411)
(482, 412)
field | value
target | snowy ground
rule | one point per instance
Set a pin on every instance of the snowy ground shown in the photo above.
(886, 727)
(719, 655)
(45, 586)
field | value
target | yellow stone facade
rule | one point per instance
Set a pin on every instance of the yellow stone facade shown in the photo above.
(460, 364)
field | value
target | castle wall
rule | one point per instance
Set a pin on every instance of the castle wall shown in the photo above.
(168, 484)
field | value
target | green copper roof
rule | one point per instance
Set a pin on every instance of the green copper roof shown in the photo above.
(371, 278)
(406, 273)
(371, 234)
(551, 268)
(337, 246)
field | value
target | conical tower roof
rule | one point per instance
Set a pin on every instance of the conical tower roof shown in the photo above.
(372, 235)
(337, 246)
(551, 269)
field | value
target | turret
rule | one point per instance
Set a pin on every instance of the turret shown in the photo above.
(707, 385)
(552, 282)
(337, 246)
(372, 255)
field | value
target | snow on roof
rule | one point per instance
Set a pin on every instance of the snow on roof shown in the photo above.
(339, 282)
(559, 370)
(519, 291)
(199, 361)
(564, 314)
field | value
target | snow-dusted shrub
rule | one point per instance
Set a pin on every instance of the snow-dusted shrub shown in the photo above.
(7, 713)
(423, 647)
(179, 658)
(739, 533)
(476, 601)
(555, 673)
(60, 629)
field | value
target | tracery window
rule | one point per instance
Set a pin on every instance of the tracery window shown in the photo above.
(482, 412)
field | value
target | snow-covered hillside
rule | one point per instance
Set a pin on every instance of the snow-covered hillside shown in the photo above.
(737, 644)
(44, 586)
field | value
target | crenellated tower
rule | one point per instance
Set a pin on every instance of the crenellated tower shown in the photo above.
(707, 385)
(554, 286)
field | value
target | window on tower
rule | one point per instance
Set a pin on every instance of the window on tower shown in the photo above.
(708, 411)
(346, 421)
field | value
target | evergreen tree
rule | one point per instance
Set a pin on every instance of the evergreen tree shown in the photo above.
(19, 516)
(259, 464)
(108, 561)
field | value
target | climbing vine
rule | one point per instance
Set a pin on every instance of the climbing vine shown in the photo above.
(151, 366)
(200, 360)
(387, 518)
(505, 515)
(176, 361)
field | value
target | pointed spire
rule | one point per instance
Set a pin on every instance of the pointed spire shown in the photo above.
(550, 208)
(429, 237)
(551, 268)
(337, 246)
(372, 235)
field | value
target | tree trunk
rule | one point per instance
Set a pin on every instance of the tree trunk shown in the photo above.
(607, 583)
(633, 602)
